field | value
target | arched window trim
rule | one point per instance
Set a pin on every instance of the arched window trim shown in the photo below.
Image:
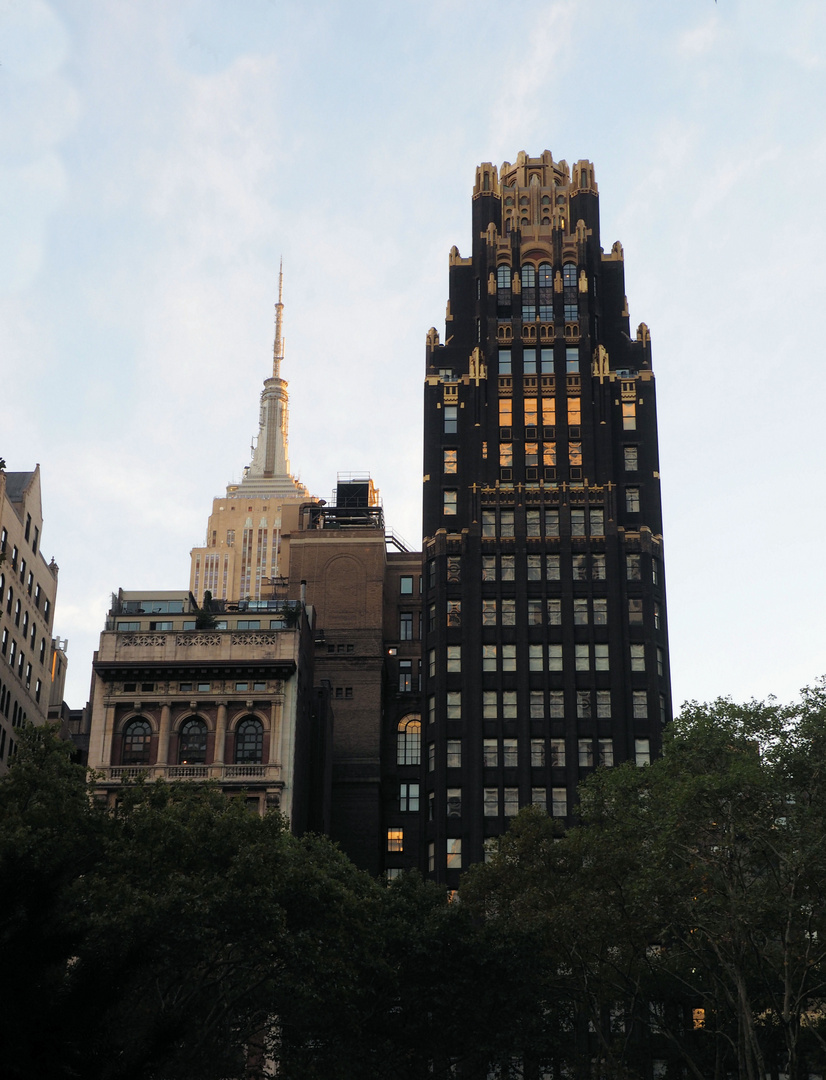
(192, 741)
(249, 750)
(409, 745)
(135, 747)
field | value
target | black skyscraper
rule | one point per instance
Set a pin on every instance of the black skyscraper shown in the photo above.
(545, 636)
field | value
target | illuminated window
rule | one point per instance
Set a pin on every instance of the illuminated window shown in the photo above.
(395, 839)
(601, 658)
(548, 412)
(489, 705)
(505, 455)
(450, 461)
(505, 412)
(629, 416)
(489, 657)
(409, 741)
(574, 410)
(405, 676)
(582, 656)
(449, 503)
(508, 704)
(531, 460)
(575, 453)
(555, 657)
(454, 854)
(530, 411)
(488, 613)
(549, 454)
(509, 658)
(535, 658)
(580, 612)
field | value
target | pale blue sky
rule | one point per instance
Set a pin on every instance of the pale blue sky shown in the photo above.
(158, 157)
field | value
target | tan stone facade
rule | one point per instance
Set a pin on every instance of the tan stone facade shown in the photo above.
(32, 663)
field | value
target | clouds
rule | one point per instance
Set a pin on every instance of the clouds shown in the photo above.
(159, 159)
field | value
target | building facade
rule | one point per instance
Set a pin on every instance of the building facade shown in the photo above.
(32, 662)
(181, 694)
(545, 638)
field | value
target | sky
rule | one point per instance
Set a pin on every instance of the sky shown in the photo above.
(157, 160)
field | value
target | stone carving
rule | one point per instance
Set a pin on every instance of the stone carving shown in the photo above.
(141, 640)
(203, 640)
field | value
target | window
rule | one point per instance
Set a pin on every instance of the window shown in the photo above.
(534, 613)
(490, 752)
(203, 687)
(537, 753)
(572, 361)
(600, 611)
(579, 567)
(583, 704)
(505, 412)
(489, 707)
(635, 612)
(454, 658)
(431, 857)
(406, 585)
(532, 516)
(454, 568)
(508, 704)
(638, 657)
(535, 658)
(248, 624)
(136, 741)
(491, 802)
(554, 612)
(604, 704)
(596, 522)
(454, 802)
(431, 757)
(409, 742)
(537, 705)
(640, 704)
(660, 662)
(489, 657)
(552, 567)
(165, 624)
(506, 523)
(606, 752)
(642, 752)
(488, 613)
(558, 753)
(405, 676)
(488, 568)
(451, 419)
(580, 612)
(601, 658)
(577, 523)
(582, 655)
(630, 458)
(552, 523)
(193, 742)
(538, 797)
(395, 839)
(507, 567)
(454, 704)
(406, 626)
(632, 500)
(629, 416)
(657, 616)
(450, 462)
(431, 709)
(511, 801)
(509, 658)
(555, 657)
(122, 625)
(408, 798)
(454, 613)
(655, 572)
(534, 568)
(559, 802)
(249, 742)
(530, 409)
(509, 613)
(586, 753)
(557, 704)
(509, 753)
(504, 361)
(242, 686)
(574, 411)
(454, 853)
(633, 569)
(449, 505)
(598, 567)
(454, 753)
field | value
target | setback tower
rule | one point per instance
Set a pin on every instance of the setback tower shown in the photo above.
(545, 637)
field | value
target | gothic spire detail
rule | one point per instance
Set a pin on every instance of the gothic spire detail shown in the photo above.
(278, 344)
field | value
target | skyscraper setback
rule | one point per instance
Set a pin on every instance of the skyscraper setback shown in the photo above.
(545, 638)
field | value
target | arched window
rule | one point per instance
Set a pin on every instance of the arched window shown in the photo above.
(192, 746)
(136, 736)
(569, 275)
(409, 748)
(249, 742)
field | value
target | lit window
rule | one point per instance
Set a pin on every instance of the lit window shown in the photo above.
(511, 801)
(450, 462)
(409, 741)
(642, 752)
(601, 658)
(582, 654)
(490, 751)
(491, 802)
(629, 416)
(488, 613)
(537, 753)
(574, 411)
(509, 753)
(408, 798)
(638, 657)
(395, 839)
(405, 676)
(449, 505)
(454, 753)
(549, 454)
(586, 752)
(454, 854)
(505, 412)
(489, 657)
(559, 802)
(454, 658)
(632, 500)
(454, 704)
(548, 413)
(630, 458)
(531, 412)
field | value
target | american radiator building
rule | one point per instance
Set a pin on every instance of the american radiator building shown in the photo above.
(545, 649)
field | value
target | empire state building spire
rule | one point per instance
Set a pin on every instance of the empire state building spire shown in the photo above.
(269, 471)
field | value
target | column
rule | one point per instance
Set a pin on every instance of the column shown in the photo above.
(163, 736)
(220, 735)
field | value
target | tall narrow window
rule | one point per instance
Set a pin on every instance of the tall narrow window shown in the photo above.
(193, 743)
(642, 752)
(450, 461)
(629, 416)
(451, 419)
(632, 500)
(574, 411)
(249, 742)
(409, 744)
(450, 500)
(629, 454)
(136, 740)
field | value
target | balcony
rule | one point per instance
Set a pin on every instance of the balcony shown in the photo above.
(240, 775)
